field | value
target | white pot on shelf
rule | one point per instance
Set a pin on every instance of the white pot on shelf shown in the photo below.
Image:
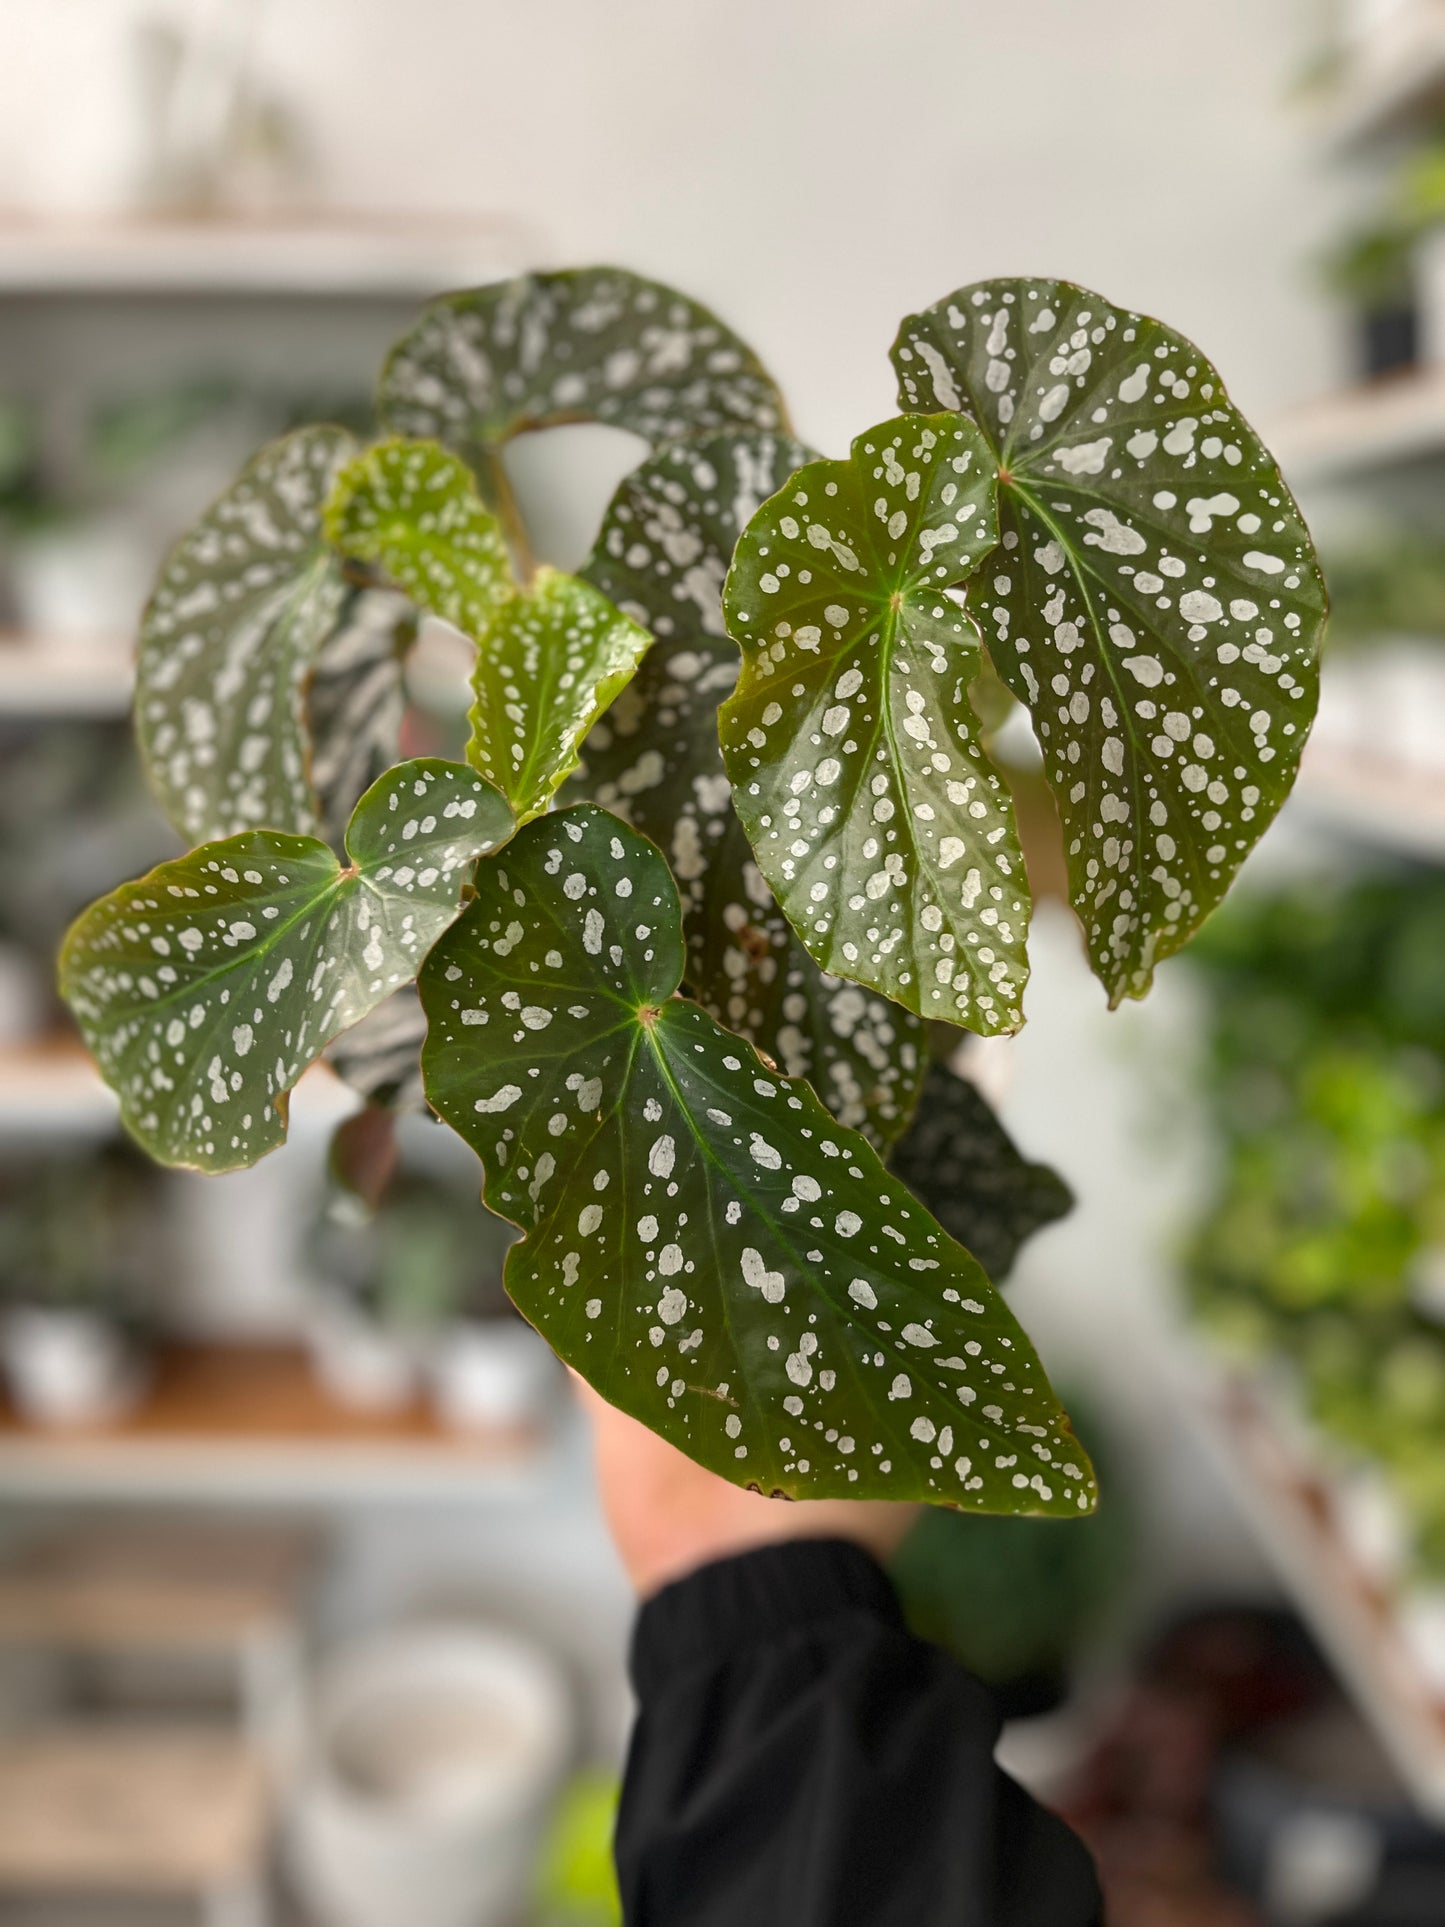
(69, 1367)
(434, 1757)
(83, 580)
(358, 1360)
(491, 1374)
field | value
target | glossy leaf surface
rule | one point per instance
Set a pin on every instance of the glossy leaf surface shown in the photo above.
(413, 510)
(654, 759)
(957, 1159)
(1157, 603)
(705, 1244)
(553, 659)
(206, 988)
(244, 601)
(589, 344)
(854, 752)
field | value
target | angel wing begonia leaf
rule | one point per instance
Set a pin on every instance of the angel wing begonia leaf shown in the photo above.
(1157, 604)
(958, 1159)
(662, 555)
(704, 1242)
(554, 659)
(854, 753)
(413, 510)
(244, 601)
(588, 344)
(206, 988)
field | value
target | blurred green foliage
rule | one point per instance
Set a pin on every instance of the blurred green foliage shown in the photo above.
(1394, 586)
(1326, 1241)
(577, 1884)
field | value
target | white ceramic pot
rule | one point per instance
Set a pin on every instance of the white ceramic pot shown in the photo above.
(491, 1374)
(435, 1754)
(359, 1361)
(69, 1367)
(89, 579)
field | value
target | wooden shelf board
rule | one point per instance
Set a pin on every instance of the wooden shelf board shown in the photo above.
(381, 257)
(56, 676)
(1289, 1505)
(144, 1810)
(250, 1422)
(51, 1086)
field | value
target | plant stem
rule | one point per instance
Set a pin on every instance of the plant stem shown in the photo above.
(496, 488)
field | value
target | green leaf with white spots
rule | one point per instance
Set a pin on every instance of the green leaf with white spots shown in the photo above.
(552, 662)
(1157, 603)
(413, 510)
(206, 988)
(590, 344)
(654, 759)
(854, 753)
(704, 1242)
(356, 700)
(959, 1160)
(244, 602)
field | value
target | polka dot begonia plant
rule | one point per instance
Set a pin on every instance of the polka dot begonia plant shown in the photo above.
(728, 868)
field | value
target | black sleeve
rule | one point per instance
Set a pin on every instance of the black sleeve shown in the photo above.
(800, 1760)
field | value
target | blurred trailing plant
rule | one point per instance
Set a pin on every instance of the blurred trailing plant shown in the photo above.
(727, 850)
(1326, 1242)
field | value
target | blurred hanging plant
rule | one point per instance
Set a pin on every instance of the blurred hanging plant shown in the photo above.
(1326, 1242)
(727, 847)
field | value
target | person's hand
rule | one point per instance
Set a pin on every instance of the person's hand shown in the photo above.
(669, 1516)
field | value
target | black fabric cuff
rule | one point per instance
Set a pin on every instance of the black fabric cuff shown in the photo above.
(701, 1620)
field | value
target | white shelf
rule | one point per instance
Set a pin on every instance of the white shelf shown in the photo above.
(389, 258)
(53, 1089)
(1380, 424)
(248, 1424)
(1375, 761)
(65, 676)
(1292, 1510)
(1391, 84)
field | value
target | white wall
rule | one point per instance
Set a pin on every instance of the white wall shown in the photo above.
(815, 167)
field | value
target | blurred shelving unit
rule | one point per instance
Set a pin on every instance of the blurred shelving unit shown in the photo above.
(1376, 425)
(1374, 767)
(400, 257)
(1299, 1518)
(1389, 80)
(247, 1424)
(63, 676)
(96, 308)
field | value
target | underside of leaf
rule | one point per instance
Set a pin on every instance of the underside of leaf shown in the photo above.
(853, 750)
(206, 988)
(1157, 602)
(705, 1244)
(413, 510)
(958, 1160)
(244, 602)
(654, 759)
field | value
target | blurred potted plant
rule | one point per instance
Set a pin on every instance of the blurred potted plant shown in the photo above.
(79, 1252)
(1323, 1251)
(410, 1294)
(1390, 269)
